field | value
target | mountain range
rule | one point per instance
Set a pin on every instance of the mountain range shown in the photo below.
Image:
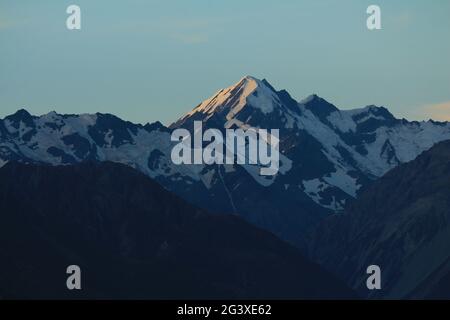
(134, 239)
(327, 155)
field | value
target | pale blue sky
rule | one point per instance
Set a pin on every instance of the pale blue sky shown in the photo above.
(156, 60)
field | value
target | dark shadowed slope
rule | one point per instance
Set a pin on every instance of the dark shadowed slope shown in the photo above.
(134, 239)
(402, 224)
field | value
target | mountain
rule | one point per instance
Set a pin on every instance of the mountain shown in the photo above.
(401, 223)
(134, 239)
(327, 154)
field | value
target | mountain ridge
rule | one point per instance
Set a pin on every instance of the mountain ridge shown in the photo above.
(134, 239)
(327, 154)
(401, 223)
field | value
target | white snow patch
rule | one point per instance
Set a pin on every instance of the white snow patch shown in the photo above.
(3, 162)
(343, 181)
(342, 121)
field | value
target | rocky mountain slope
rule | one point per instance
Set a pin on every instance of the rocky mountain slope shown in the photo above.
(402, 224)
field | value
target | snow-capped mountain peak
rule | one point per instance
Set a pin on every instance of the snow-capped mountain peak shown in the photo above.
(247, 92)
(250, 102)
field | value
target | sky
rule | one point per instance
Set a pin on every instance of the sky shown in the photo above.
(148, 60)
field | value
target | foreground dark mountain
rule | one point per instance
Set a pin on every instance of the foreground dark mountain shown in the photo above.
(327, 154)
(402, 224)
(133, 239)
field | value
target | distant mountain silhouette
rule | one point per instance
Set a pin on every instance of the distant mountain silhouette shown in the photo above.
(134, 239)
(402, 224)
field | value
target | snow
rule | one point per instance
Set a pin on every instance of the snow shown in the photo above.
(308, 99)
(135, 155)
(313, 188)
(251, 91)
(289, 121)
(265, 98)
(343, 181)
(342, 121)
(138, 153)
(407, 140)
(3, 162)
(9, 127)
(323, 133)
(52, 116)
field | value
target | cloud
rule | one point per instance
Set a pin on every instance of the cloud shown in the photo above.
(439, 111)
